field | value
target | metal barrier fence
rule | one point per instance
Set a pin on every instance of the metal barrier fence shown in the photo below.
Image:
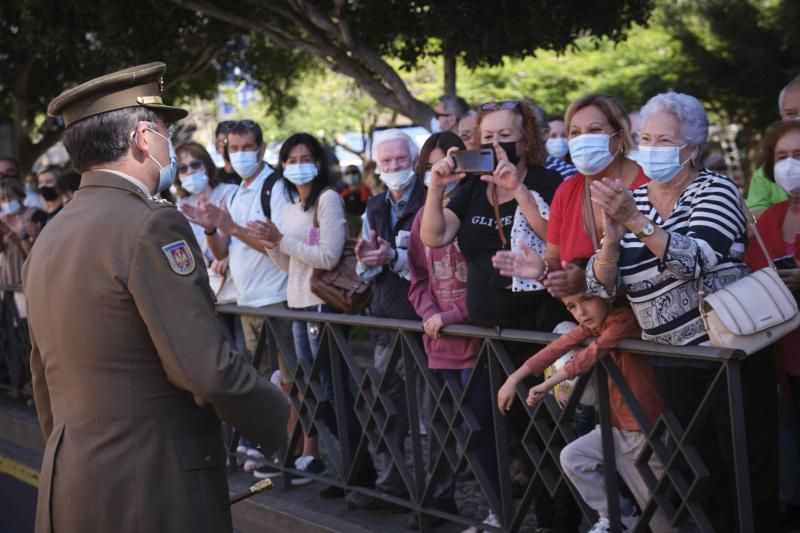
(363, 416)
(547, 428)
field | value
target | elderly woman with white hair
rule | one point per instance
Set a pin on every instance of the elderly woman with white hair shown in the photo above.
(663, 240)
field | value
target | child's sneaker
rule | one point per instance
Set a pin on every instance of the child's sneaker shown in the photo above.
(490, 520)
(601, 526)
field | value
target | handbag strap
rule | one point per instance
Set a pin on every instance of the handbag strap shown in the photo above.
(588, 216)
(496, 207)
(316, 203)
(751, 221)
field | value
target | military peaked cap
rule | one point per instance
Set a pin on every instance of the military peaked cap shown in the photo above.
(136, 86)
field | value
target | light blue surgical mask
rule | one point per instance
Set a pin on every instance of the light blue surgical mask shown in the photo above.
(10, 208)
(245, 163)
(660, 163)
(557, 147)
(300, 173)
(195, 183)
(590, 152)
(166, 173)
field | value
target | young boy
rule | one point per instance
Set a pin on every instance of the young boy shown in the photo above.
(582, 459)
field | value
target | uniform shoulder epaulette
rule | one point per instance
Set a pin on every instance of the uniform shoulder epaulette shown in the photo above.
(160, 200)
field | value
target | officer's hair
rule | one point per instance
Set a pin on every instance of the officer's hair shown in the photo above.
(104, 138)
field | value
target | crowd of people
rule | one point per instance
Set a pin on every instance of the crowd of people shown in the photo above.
(598, 224)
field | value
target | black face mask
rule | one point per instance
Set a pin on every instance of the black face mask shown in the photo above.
(509, 147)
(48, 193)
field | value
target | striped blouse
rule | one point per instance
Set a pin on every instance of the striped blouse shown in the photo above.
(706, 244)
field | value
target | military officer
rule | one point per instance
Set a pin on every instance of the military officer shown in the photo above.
(130, 367)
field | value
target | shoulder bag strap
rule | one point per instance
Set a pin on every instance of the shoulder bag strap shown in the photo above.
(316, 204)
(588, 215)
(496, 206)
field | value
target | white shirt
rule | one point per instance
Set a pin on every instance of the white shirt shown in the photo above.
(218, 196)
(258, 279)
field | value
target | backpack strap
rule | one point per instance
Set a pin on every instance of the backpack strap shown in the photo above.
(266, 193)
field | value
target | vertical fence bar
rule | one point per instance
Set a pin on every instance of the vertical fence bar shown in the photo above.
(744, 502)
(609, 459)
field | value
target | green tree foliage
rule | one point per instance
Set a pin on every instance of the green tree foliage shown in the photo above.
(742, 53)
(49, 45)
(358, 39)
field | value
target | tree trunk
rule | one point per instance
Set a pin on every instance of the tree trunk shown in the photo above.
(302, 26)
(449, 72)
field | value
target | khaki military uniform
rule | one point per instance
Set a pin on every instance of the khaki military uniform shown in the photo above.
(124, 338)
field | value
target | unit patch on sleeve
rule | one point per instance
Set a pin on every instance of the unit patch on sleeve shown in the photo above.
(180, 257)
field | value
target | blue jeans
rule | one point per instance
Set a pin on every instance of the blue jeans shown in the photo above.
(307, 338)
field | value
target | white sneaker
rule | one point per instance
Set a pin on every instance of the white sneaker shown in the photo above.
(490, 520)
(601, 526)
(241, 449)
(628, 522)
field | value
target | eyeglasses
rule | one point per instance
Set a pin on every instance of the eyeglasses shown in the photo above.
(440, 115)
(505, 105)
(194, 165)
(466, 136)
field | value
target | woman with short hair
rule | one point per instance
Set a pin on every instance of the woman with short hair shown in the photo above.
(683, 230)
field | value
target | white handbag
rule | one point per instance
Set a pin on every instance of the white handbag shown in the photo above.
(752, 312)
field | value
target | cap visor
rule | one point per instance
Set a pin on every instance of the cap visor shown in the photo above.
(171, 113)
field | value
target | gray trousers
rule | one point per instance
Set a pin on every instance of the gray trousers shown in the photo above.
(582, 461)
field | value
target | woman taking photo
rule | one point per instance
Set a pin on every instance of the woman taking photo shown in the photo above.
(481, 215)
(684, 229)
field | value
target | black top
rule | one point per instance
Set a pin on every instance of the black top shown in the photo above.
(228, 177)
(490, 301)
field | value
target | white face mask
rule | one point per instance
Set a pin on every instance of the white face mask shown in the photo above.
(10, 208)
(300, 174)
(195, 183)
(557, 147)
(245, 163)
(660, 163)
(590, 153)
(787, 175)
(397, 181)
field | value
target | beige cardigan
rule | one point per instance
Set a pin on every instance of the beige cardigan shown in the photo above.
(297, 256)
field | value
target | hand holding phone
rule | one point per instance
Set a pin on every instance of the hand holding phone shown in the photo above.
(474, 161)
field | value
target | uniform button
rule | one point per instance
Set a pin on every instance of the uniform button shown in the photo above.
(208, 458)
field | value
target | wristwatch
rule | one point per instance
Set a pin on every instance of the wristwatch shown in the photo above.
(647, 229)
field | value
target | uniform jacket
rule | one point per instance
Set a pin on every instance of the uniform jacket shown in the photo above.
(124, 339)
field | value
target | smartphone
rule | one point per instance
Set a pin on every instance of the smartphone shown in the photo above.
(474, 161)
(786, 262)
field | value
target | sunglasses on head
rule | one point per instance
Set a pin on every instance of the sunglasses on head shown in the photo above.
(194, 165)
(505, 105)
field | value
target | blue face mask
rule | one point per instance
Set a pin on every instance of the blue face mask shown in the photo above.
(166, 173)
(660, 163)
(10, 208)
(590, 153)
(301, 173)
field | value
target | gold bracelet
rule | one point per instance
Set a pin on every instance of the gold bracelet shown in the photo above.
(603, 263)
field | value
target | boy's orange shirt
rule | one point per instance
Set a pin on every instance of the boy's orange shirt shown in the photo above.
(620, 323)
